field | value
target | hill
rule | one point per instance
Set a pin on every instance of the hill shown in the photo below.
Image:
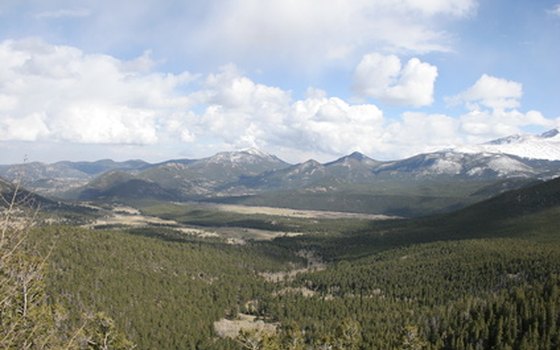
(458, 280)
(117, 185)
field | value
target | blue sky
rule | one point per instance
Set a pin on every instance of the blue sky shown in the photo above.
(297, 78)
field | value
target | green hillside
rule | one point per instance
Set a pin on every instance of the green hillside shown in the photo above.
(485, 277)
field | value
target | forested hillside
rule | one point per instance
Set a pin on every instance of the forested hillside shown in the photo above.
(486, 277)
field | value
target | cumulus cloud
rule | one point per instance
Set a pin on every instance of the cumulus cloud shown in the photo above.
(493, 110)
(61, 93)
(27, 128)
(383, 77)
(483, 125)
(237, 112)
(324, 127)
(420, 132)
(491, 92)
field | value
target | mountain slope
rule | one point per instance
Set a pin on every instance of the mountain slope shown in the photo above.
(104, 165)
(543, 146)
(473, 165)
(51, 179)
(530, 213)
(181, 179)
(208, 176)
(350, 169)
(22, 198)
(118, 185)
(524, 201)
(292, 177)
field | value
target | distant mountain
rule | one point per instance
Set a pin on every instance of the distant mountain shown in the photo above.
(65, 175)
(420, 185)
(543, 146)
(357, 169)
(291, 177)
(104, 165)
(431, 182)
(22, 198)
(426, 183)
(186, 179)
(312, 175)
(118, 185)
(467, 165)
(208, 176)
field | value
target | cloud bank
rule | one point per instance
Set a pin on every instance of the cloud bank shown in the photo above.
(60, 94)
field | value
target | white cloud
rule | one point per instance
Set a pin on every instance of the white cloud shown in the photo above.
(491, 92)
(237, 112)
(493, 111)
(7, 102)
(332, 126)
(105, 124)
(61, 93)
(26, 128)
(419, 132)
(383, 77)
(484, 125)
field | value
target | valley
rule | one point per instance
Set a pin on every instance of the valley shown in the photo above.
(473, 264)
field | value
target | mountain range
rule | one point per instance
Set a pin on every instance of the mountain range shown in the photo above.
(429, 182)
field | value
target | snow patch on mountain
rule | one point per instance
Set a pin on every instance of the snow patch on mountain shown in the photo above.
(446, 166)
(255, 152)
(248, 156)
(506, 166)
(544, 146)
(309, 168)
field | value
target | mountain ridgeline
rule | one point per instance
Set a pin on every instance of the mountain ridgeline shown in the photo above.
(423, 184)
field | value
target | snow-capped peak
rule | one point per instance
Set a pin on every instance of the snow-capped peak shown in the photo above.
(247, 155)
(255, 152)
(543, 146)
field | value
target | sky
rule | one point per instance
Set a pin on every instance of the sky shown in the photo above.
(301, 79)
